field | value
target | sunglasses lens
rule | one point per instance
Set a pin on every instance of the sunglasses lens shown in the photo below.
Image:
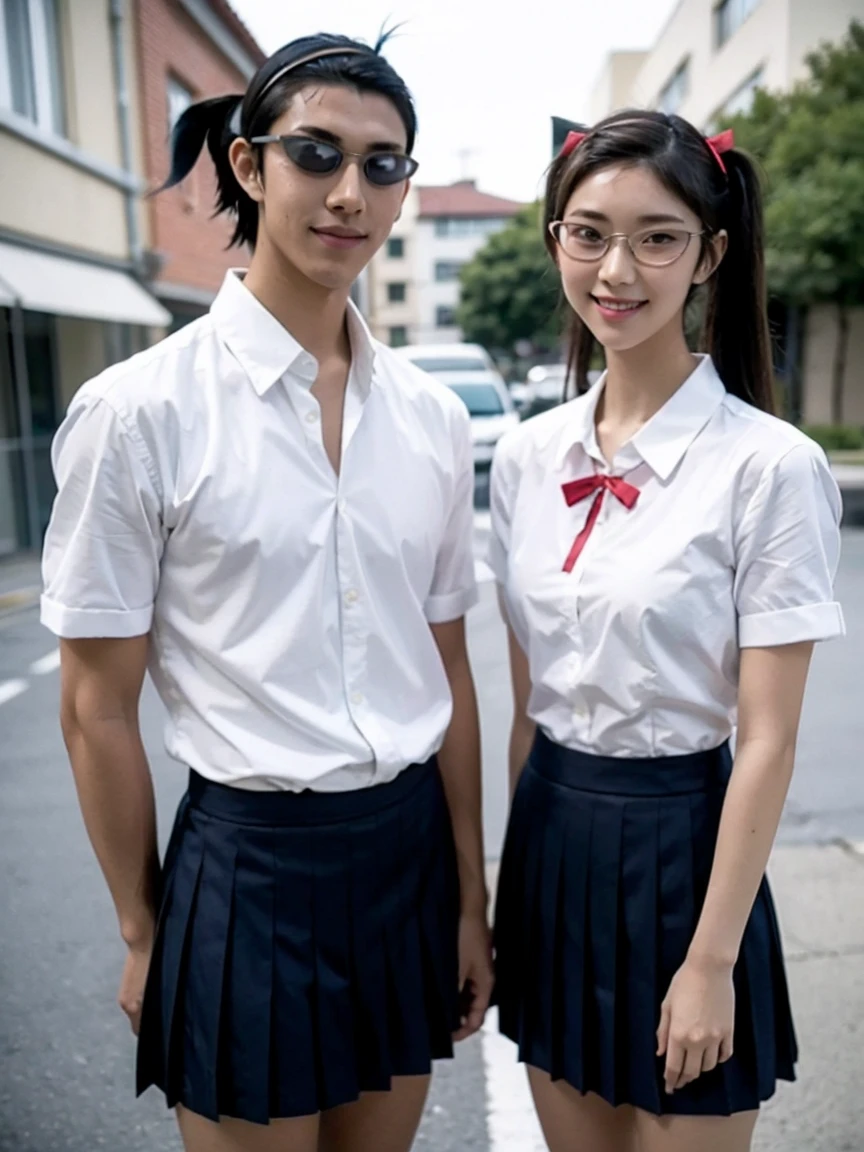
(312, 155)
(386, 168)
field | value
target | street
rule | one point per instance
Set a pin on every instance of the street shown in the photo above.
(66, 1055)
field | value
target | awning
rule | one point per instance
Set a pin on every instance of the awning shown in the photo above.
(41, 282)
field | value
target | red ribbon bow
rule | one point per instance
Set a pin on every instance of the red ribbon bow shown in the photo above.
(571, 141)
(576, 490)
(723, 142)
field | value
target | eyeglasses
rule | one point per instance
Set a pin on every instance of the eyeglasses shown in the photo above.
(654, 247)
(319, 158)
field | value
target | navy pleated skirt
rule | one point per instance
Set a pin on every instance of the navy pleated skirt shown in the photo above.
(306, 948)
(603, 875)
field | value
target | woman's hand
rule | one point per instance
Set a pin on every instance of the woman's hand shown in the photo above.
(131, 994)
(696, 1021)
(475, 973)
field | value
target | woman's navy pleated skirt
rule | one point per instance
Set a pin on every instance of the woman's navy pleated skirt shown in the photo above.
(603, 875)
(306, 948)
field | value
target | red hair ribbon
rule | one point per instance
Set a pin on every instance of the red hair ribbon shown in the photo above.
(572, 140)
(721, 143)
(599, 483)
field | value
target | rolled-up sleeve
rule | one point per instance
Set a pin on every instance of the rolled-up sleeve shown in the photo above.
(454, 585)
(788, 548)
(502, 486)
(103, 546)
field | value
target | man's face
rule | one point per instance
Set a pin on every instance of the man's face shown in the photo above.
(330, 226)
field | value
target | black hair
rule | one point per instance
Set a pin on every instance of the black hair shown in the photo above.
(328, 59)
(735, 326)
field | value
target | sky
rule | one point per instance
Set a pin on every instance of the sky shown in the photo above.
(486, 77)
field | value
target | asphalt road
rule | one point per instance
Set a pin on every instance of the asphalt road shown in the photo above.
(66, 1056)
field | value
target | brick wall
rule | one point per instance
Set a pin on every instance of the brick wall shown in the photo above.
(170, 43)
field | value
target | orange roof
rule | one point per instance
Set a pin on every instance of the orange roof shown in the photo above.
(464, 199)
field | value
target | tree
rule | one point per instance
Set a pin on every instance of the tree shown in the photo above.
(810, 142)
(510, 290)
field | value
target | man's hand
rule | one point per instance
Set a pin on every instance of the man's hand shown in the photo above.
(475, 974)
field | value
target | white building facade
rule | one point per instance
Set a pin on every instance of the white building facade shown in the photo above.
(413, 282)
(707, 63)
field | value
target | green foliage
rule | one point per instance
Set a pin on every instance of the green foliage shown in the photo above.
(836, 437)
(810, 143)
(510, 290)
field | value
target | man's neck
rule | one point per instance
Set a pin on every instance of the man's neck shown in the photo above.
(314, 316)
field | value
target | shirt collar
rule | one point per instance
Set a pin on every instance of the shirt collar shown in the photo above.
(662, 441)
(266, 350)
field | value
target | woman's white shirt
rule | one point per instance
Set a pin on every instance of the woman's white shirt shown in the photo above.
(289, 608)
(733, 542)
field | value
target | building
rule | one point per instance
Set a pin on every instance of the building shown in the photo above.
(706, 64)
(72, 230)
(188, 50)
(413, 284)
(710, 57)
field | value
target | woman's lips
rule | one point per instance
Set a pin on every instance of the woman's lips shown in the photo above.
(617, 310)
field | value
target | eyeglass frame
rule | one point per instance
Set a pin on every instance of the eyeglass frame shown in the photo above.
(343, 152)
(553, 224)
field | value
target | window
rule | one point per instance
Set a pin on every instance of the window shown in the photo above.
(446, 270)
(179, 99)
(31, 62)
(396, 293)
(741, 99)
(676, 89)
(480, 399)
(462, 226)
(729, 15)
(395, 247)
(398, 336)
(445, 316)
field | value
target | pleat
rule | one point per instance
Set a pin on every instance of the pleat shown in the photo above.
(756, 956)
(205, 985)
(367, 913)
(549, 941)
(151, 1051)
(576, 965)
(787, 1043)
(508, 917)
(293, 1067)
(409, 1035)
(175, 960)
(250, 977)
(603, 916)
(639, 1011)
(334, 1010)
(439, 931)
(530, 969)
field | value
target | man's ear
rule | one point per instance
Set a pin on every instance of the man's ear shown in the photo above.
(244, 164)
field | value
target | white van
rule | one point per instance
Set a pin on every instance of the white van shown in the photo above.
(445, 360)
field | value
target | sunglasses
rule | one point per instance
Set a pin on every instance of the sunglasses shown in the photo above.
(319, 158)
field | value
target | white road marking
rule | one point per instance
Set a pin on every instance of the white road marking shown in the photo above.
(511, 1122)
(49, 663)
(9, 689)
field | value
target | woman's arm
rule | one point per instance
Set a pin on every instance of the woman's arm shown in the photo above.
(697, 1018)
(523, 728)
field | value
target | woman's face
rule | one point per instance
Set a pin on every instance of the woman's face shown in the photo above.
(622, 301)
(327, 226)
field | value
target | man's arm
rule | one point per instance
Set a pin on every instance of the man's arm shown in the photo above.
(459, 762)
(101, 684)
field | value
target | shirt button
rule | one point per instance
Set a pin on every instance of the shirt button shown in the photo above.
(352, 596)
(343, 507)
(356, 697)
(311, 417)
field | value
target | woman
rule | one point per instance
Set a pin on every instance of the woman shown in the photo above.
(665, 549)
(278, 511)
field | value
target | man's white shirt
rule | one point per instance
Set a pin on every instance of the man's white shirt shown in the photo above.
(288, 607)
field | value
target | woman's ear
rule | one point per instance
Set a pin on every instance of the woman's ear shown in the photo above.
(710, 262)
